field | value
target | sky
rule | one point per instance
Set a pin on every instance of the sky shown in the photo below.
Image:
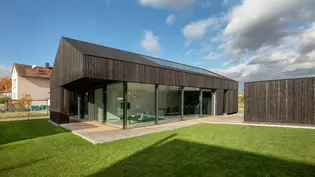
(246, 40)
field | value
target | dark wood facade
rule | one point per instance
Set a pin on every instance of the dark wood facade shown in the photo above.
(126, 71)
(280, 101)
(80, 65)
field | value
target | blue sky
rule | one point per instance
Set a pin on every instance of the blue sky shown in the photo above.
(246, 40)
(31, 30)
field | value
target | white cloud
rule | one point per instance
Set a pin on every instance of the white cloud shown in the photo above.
(272, 63)
(307, 43)
(5, 70)
(169, 4)
(261, 39)
(213, 56)
(197, 30)
(170, 19)
(150, 42)
(254, 24)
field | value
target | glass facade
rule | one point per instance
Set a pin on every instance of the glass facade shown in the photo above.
(140, 100)
(114, 105)
(191, 103)
(99, 105)
(169, 103)
(140, 105)
(207, 103)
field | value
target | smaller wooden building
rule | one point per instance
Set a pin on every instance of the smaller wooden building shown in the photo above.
(124, 89)
(280, 101)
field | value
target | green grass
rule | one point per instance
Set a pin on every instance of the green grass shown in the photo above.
(21, 114)
(36, 148)
(240, 111)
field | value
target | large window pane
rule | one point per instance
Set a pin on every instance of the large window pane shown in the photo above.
(191, 102)
(169, 101)
(114, 102)
(206, 103)
(140, 103)
(99, 105)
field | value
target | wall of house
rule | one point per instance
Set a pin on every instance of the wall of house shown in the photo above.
(37, 87)
(280, 101)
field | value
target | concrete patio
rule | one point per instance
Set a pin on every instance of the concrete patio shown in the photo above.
(96, 132)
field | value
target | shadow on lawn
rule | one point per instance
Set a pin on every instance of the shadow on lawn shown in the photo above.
(12, 131)
(24, 164)
(182, 158)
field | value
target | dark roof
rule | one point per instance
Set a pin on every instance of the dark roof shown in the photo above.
(91, 49)
(27, 71)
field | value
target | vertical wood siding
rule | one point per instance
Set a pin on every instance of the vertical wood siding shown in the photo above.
(68, 65)
(219, 93)
(59, 105)
(232, 101)
(109, 69)
(280, 101)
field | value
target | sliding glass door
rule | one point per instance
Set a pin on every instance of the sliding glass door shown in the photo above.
(99, 105)
(114, 111)
(140, 105)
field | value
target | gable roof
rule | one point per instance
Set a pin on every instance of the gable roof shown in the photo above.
(27, 71)
(91, 49)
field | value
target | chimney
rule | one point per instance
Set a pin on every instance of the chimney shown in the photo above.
(46, 65)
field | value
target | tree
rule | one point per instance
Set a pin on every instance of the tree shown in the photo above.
(241, 100)
(5, 84)
(27, 101)
(6, 101)
(19, 105)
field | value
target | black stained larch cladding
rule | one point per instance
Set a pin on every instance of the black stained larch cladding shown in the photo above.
(68, 65)
(232, 102)
(59, 105)
(219, 93)
(280, 101)
(109, 69)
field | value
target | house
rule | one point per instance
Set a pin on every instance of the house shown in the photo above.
(290, 101)
(34, 80)
(91, 82)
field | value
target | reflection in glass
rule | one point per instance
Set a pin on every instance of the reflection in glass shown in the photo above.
(169, 101)
(99, 105)
(114, 102)
(140, 104)
(206, 103)
(191, 104)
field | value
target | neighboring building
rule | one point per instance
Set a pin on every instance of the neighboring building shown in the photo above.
(126, 90)
(280, 101)
(34, 80)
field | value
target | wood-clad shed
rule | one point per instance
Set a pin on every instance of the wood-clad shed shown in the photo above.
(81, 67)
(280, 101)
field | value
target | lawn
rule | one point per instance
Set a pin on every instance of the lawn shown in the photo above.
(22, 114)
(36, 148)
